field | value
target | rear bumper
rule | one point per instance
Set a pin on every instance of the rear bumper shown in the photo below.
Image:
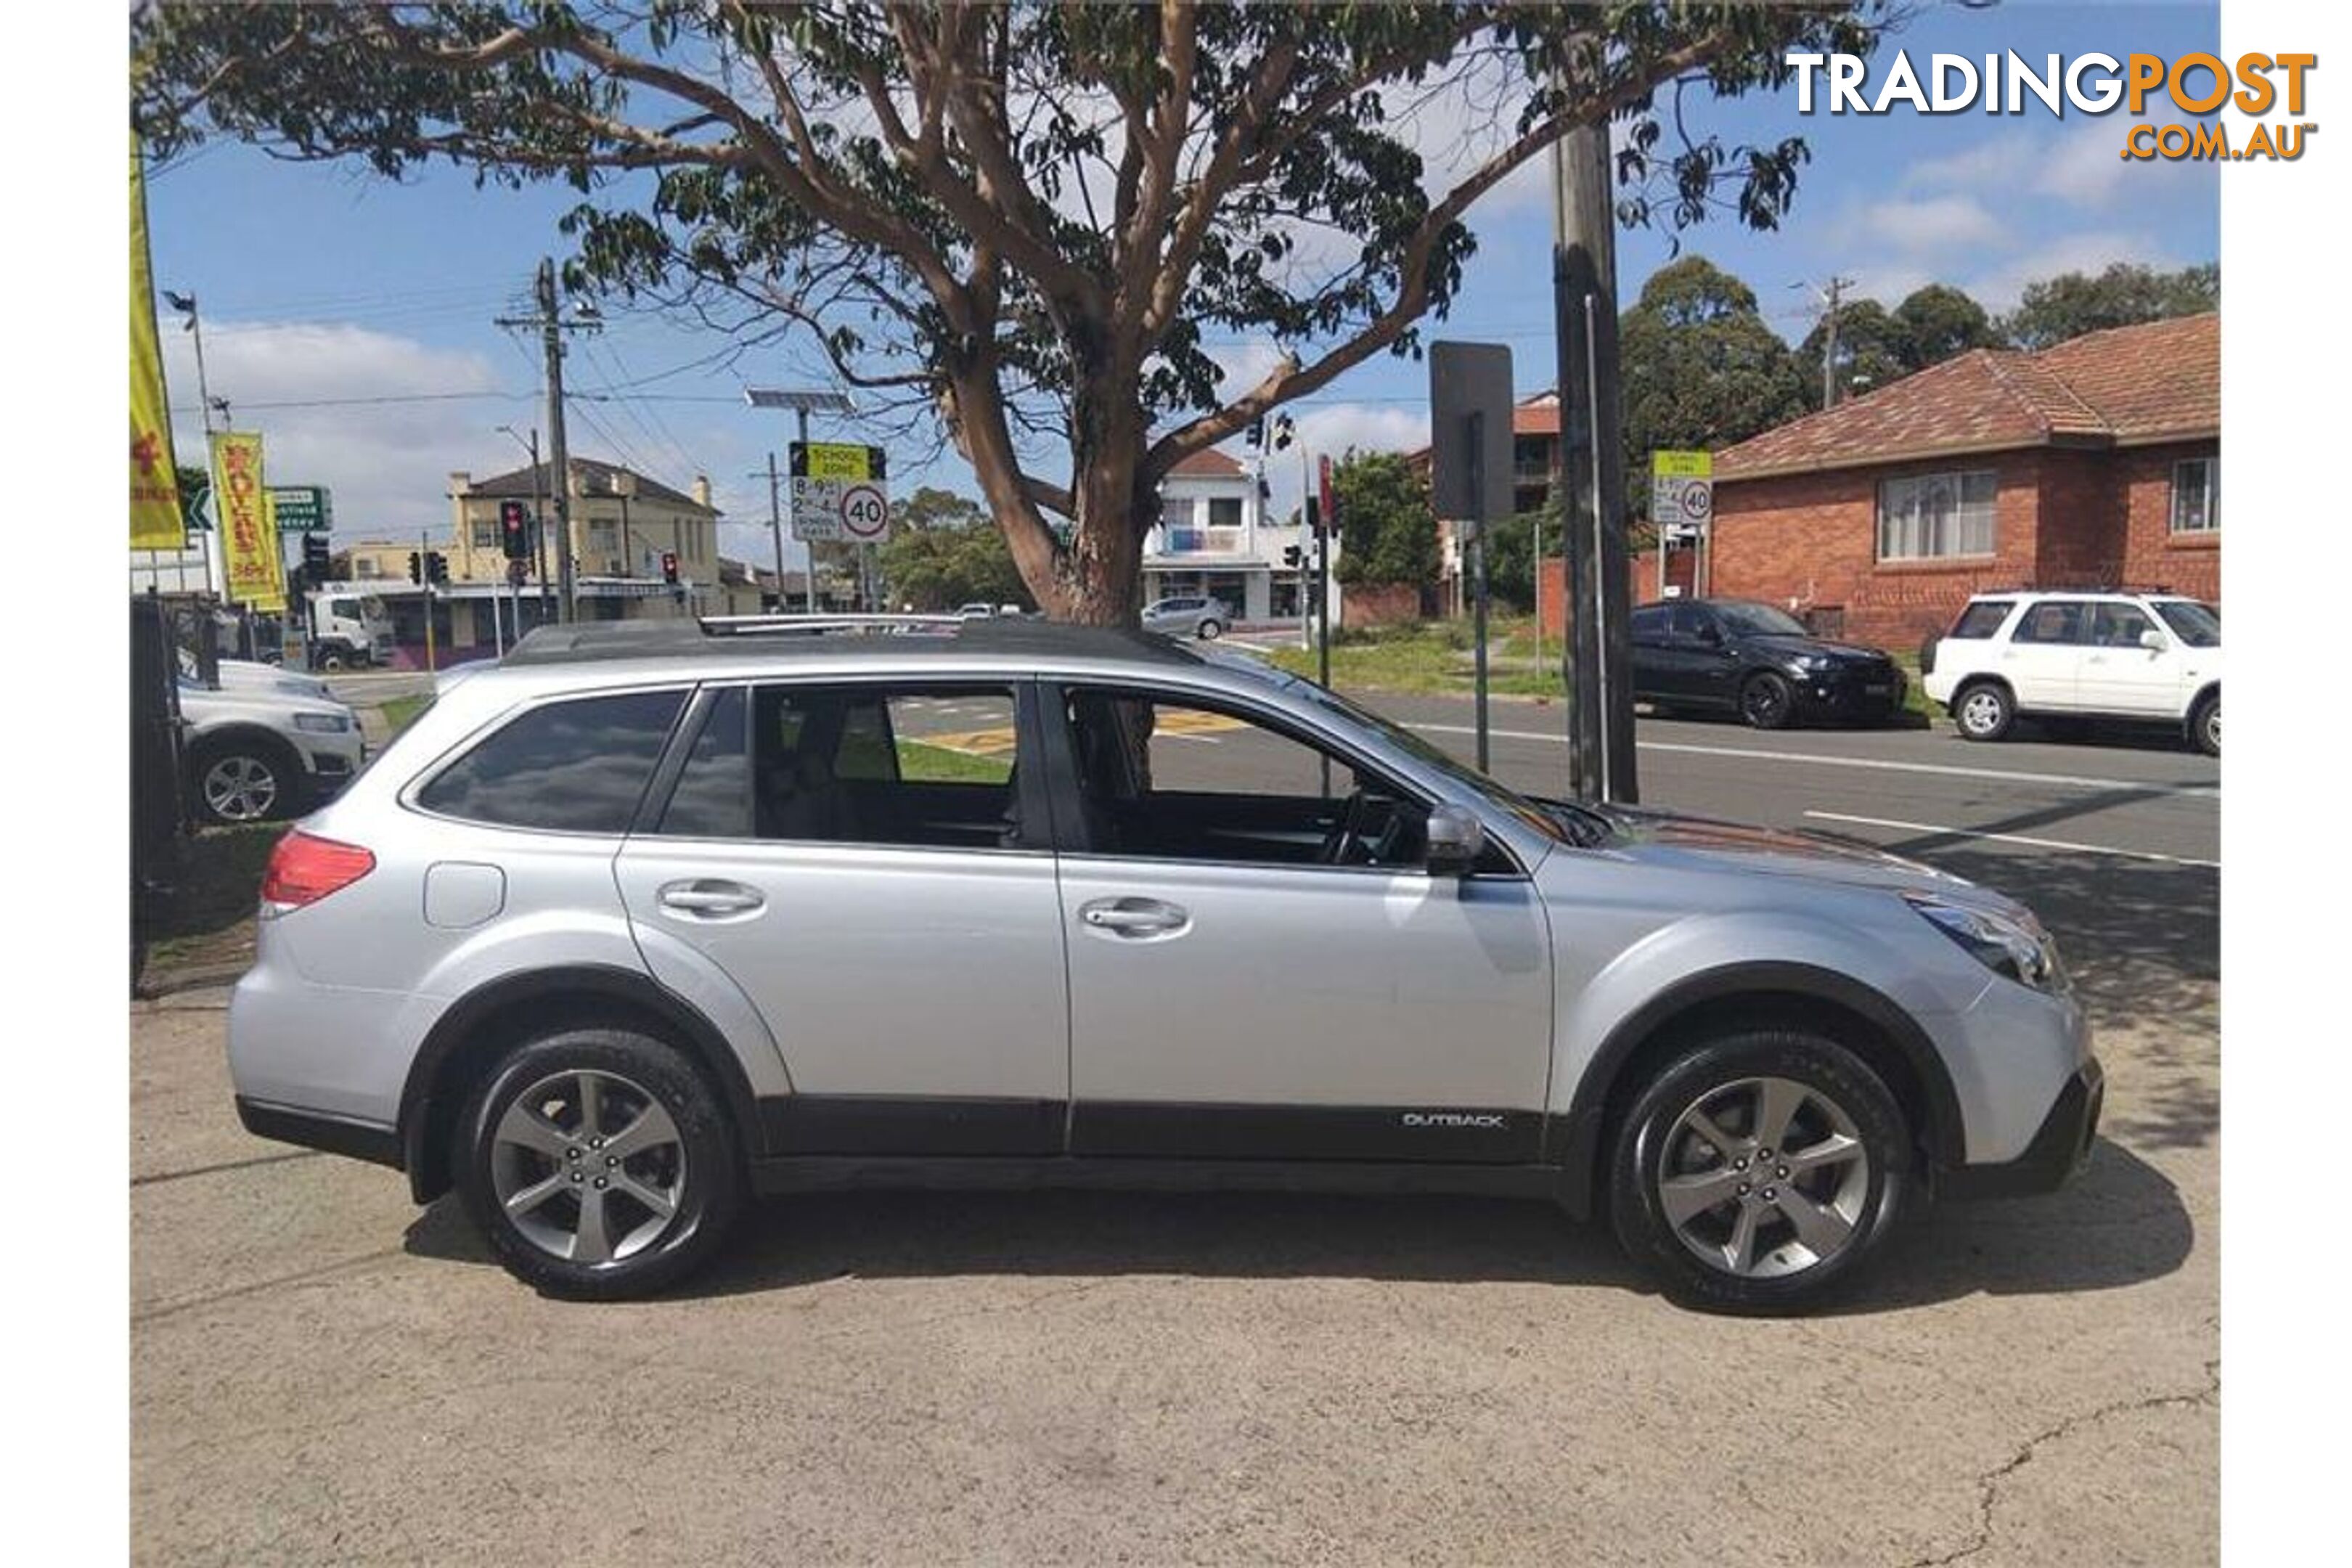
(317, 1130)
(2057, 1155)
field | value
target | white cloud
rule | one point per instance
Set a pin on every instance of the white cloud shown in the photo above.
(1997, 287)
(1334, 428)
(1933, 223)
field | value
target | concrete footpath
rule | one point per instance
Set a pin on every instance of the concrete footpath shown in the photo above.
(321, 1372)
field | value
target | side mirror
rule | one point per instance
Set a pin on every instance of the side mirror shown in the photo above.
(1456, 838)
(2153, 640)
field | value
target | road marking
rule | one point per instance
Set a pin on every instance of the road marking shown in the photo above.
(1759, 754)
(2012, 839)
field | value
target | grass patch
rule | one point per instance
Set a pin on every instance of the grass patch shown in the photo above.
(208, 919)
(1436, 656)
(399, 713)
(922, 763)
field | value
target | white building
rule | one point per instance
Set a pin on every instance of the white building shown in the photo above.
(1213, 538)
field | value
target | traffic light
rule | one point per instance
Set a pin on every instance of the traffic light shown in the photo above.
(1313, 513)
(1290, 556)
(669, 567)
(315, 565)
(437, 566)
(415, 571)
(514, 530)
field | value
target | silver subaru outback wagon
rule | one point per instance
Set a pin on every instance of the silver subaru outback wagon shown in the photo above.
(647, 919)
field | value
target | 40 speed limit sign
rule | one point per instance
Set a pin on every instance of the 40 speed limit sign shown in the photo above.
(865, 513)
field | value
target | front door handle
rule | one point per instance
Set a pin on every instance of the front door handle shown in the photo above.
(1135, 917)
(708, 897)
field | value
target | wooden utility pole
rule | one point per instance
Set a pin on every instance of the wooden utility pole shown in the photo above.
(1589, 478)
(1833, 295)
(552, 327)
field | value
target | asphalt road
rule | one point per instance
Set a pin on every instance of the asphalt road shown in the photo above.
(321, 1372)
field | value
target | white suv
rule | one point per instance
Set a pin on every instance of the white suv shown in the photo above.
(2147, 657)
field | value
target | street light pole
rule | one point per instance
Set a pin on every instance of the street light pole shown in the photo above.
(215, 563)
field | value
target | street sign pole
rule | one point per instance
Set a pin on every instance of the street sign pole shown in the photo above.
(424, 561)
(1470, 471)
(809, 578)
(1478, 578)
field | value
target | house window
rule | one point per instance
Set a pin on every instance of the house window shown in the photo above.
(486, 534)
(1224, 511)
(1932, 516)
(364, 567)
(1176, 513)
(2196, 496)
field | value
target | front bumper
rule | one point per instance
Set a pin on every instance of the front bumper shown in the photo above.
(1859, 692)
(2059, 1150)
(331, 759)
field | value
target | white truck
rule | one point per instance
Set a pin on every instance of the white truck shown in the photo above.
(349, 628)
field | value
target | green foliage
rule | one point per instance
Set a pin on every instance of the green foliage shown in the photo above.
(1032, 218)
(1940, 322)
(1874, 351)
(1510, 557)
(2124, 295)
(1699, 367)
(942, 553)
(1388, 534)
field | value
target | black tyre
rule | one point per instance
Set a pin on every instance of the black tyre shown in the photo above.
(1211, 631)
(1759, 1171)
(1766, 701)
(2205, 725)
(1984, 711)
(598, 1165)
(242, 779)
(332, 659)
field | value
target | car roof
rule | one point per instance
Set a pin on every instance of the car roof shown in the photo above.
(836, 642)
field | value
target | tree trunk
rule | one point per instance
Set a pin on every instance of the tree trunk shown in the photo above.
(1102, 569)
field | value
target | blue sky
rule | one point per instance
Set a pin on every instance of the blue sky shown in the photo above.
(324, 282)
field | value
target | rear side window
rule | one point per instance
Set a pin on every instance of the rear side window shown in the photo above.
(566, 767)
(1983, 619)
(2055, 621)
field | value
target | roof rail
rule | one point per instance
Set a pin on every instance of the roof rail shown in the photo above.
(773, 626)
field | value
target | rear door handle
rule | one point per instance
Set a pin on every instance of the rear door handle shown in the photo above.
(1134, 917)
(707, 896)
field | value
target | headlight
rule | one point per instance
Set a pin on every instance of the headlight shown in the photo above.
(322, 723)
(2014, 946)
(1809, 663)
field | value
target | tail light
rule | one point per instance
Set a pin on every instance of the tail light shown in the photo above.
(304, 868)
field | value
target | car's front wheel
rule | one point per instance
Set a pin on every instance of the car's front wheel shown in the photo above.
(1766, 701)
(242, 780)
(1211, 631)
(1758, 1171)
(331, 660)
(598, 1165)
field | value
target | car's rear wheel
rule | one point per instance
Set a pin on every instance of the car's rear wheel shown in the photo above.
(242, 780)
(1767, 701)
(332, 659)
(2205, 725)
(1983, 711)
(598, 1165)
(1211, 631)
(1758, 1171)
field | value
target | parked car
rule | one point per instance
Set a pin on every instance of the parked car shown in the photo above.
(1188, 616)
(245, 674)
(2148, 658)
(1734, 655)
(253, 754)
(975, 611)
(623, 931)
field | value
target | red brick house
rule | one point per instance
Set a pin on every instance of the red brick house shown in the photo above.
(2095, 462)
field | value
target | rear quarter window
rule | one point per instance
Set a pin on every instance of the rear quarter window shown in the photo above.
(577, 766)
(1983, 619)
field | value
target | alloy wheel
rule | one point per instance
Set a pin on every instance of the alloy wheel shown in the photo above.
(1980, 714)
(240, 788)
(1765, 703)
(588, 1166)
(1763, 1178)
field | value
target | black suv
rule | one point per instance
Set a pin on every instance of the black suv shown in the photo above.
(1740, 657)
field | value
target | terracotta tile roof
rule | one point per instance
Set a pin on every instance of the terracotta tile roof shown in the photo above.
(2160, 381)
(1207, 464)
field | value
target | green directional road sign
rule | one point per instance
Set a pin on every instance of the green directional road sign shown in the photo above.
(302, 509)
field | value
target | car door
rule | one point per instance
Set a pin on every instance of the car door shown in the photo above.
(1704, 669)
(870, 864)
(2043, 659)
(1652, 651)
(1237, 991)
(2120, 675)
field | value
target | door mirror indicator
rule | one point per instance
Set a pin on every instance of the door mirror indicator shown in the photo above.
(1456, 838)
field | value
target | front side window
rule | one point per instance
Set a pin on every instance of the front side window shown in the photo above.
(1688, 623)
(1752, 619)
(2196, 496)
(1650, 624)
(1166, 780)
(851, 765)
(1932, 516)
(2055, 621)
(2120, 625)
(577, 766)
(2197, 624)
